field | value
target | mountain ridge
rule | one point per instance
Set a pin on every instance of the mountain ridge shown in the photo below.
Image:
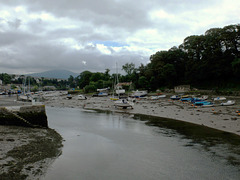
(55, 74)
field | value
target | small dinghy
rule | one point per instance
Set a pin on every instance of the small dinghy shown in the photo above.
(219, 98)
(81, 97)
(228, 103)
(175, 97)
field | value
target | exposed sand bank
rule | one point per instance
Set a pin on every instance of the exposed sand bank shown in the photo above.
(219, 117)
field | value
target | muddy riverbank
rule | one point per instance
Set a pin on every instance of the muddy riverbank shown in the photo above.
(223, 118)
(25, 153)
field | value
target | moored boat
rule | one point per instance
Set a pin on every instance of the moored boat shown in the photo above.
(207, 104)
(175, 97)
(81, 97)
(186, 99)
(138, 94)
(158, 97)
(228, 103)
(123, 103)
(101, 94)
(219, 98)
(204, 103)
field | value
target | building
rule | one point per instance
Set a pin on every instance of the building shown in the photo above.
(182, 88)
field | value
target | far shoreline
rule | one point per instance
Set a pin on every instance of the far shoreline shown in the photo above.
(223, 118)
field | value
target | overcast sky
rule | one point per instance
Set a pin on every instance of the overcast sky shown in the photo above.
(78, 35)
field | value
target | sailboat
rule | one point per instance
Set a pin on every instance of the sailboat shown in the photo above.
(26, 96)
(122, 103)
(116, 81)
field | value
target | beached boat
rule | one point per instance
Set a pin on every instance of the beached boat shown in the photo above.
(186, 99)
(25, 97)
(157, 97)
(69, 96)
(114, 98)
(203, 103)
(123, 103)
(81, 97)
(175, 97)
(185, 96)
(203, 97)
(138, 94)
(101, 94)
(193, 100)
(207, 104)
(219, 98)
(228, 103)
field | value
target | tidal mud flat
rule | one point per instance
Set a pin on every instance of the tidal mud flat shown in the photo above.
(223, 118)
(25, 152)
(208, 127)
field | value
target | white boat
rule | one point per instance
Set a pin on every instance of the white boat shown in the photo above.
(203, 97)
(81, 97)
(25, 97)
(157, 97)
(123, 103)
(104, 89)
(138, 94)
(120, 91)
(228, 103)
(101, 94)
(219, 98)
(175, 97)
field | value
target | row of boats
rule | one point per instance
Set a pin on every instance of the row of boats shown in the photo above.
(203, 100)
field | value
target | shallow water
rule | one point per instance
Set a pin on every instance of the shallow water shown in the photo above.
(115, 146)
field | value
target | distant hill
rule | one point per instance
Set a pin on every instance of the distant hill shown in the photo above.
(56, 74)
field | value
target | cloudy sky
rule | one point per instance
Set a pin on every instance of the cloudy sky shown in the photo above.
(78, 35)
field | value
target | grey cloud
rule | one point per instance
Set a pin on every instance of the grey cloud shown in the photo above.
(15, 24)
(37, 46)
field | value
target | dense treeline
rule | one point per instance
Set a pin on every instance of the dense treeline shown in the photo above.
(206, 61)
(35, 84)
(209, 60)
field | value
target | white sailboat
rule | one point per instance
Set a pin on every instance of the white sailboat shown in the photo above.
(122, 103)
(26, 96)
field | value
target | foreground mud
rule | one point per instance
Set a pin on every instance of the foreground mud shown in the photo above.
(25, 153)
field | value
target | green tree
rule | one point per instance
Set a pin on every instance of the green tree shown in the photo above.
(236, 67)
(84, 79)
(129, 68)
(143, 82)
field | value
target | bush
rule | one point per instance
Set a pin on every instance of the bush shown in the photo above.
(89, 88)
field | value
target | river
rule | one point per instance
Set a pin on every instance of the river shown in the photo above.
(99, 146)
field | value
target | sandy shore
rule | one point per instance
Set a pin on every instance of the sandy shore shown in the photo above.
(219, 117)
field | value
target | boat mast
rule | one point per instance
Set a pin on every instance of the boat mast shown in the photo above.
(117, 81)
(29, 84)
(24, 85)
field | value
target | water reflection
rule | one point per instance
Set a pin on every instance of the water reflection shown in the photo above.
(115, 146)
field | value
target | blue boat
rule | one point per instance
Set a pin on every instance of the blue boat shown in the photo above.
(203, 103)
(186, 99)
(196, 100)
(175, 97)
